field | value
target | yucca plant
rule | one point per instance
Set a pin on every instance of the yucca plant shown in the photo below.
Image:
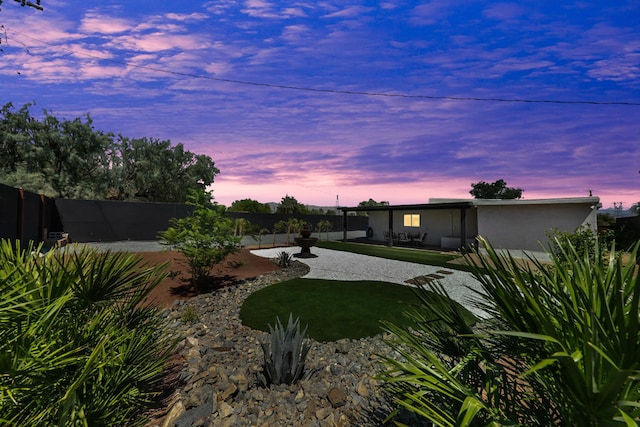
(561, 346)
(284, 354)
(78, 343)
(283, 259)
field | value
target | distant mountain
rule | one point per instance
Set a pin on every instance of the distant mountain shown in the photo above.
(618, 213)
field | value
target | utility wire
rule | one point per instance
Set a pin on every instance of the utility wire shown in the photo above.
(333, 91)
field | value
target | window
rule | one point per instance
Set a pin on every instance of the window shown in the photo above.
(412, 220)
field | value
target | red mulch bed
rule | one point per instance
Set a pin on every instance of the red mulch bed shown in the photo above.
(236, 267)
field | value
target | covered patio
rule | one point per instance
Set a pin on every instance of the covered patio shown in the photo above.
(415, 218)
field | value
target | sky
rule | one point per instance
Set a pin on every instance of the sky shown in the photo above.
(336, 102)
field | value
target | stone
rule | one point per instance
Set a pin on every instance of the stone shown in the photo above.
(221, 370)
(174, 413)
(224, 409)
(336, 397)
(229, 392)
(362, 389)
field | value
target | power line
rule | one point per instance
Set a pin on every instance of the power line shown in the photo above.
(334, 91)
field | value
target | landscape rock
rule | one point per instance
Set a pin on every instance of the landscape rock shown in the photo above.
(222, 357)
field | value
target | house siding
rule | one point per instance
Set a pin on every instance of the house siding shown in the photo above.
(525, 227)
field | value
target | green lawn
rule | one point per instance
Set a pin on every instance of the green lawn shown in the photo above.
(332, 309)
(418, 256)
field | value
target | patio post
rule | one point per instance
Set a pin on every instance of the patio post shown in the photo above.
(390, 239)
(463, 228)
(344, 225)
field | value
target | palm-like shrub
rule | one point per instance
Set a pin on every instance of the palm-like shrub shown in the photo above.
(78, 343)
(561, 346)
(284, 354)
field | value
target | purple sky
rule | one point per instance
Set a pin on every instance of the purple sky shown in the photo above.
(162, 70)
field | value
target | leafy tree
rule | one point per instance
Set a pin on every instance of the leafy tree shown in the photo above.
(495, 190)
(205, 237)
(69, 158)
(249, 205)
(290, 206)
(155, 170)
(371, 202)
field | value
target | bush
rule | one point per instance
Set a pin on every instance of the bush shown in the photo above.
(205, 237)
(560, 347)
(78, 343)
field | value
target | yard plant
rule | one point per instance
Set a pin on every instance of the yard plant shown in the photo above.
(205, 237)
(561, 345)
(284, 353)
(79, 345)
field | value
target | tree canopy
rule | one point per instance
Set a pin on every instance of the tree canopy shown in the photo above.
(249, 205)
(495, 190)
(371, 202)
(69, 158)
(290, 206)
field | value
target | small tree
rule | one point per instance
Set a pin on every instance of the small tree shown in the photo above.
(277, 228)
(205, 237)
(324, 226)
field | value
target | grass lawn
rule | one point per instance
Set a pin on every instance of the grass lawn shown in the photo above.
(332, 309)
(418, 256)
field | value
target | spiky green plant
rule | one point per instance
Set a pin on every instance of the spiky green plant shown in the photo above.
(561, 346)
(283, 259)
(78, 343)
(284, 354)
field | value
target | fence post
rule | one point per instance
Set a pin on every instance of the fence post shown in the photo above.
(41, 221)
(20, 219)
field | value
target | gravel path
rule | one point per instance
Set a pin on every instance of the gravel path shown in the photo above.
(347, 266)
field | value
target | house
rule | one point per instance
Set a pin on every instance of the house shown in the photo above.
(506, 224)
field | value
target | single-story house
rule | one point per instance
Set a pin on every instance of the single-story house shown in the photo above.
(455, 223)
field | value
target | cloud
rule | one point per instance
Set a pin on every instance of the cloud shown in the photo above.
(94, 23)
(350, 12)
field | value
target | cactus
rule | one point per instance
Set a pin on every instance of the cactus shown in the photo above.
(285, 354)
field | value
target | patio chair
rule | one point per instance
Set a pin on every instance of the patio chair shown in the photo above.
(403, 238)
(423, 239)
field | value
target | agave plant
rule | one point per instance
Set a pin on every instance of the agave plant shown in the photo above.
(283, 259)
(284, 354)
(561, 346)
(78, 343)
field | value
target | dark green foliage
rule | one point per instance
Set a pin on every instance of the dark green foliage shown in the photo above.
(582, 239)
(290, 206)
(283, 259)
(560, 346)
(69, 158)
(284, 354)
(205, 237)
(494, 190)
(249, 205)
(78, 343)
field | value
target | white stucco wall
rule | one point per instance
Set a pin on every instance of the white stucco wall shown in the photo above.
(524, 226)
